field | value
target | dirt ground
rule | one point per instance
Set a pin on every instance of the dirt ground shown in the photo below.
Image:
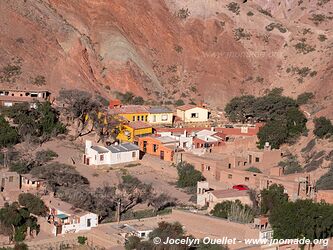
(150, 169)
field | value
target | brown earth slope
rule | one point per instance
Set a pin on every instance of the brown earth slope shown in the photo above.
(207, 50)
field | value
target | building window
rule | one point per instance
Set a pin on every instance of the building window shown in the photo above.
(229, 166)
(154, 118)
(88, 222)
(247, 178)
(229, 176)
(11, 178)
(164, 118)
(138, 118)
(194, 115)
(133, 119)
(257, 159)
(146, 118)
(142, 118)
(133, 154)
(101, 157)
(154, 147)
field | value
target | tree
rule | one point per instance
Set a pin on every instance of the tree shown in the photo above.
(309, 220)
(188, 176)
(272, 197)
(274, 132)
(233, 211)
(78, 105)
(323, 127)
(165, 229)
(15, 221)
(132, 242)
(33, 203)
(239, 109)
(291, 165)
(38, 124)
(8, 135)
(82, 240)
(161, 201)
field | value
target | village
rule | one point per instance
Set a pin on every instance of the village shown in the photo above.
(151, 142)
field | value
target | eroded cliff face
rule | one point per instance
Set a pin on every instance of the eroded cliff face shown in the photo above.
(207, 50)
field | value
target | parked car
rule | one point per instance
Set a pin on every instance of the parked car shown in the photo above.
(240, 187)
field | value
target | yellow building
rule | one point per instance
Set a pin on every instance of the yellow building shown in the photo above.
(131, 113)
(129, 132)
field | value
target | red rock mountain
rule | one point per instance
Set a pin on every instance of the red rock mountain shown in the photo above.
(207, 50)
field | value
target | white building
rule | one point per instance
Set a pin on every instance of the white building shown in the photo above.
(114, 154)
(184, 141)
(191, 113)
(67, 219)
(160, 115)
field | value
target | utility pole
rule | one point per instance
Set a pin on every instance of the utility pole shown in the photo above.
(118, 210)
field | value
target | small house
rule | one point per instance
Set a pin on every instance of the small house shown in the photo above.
(29, 182)
(113, 154)
(129, 132)
(10, 97)
(67, 219)
(192, 114)
(162, 146)
(160, 115)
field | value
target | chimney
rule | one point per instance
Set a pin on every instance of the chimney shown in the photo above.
(88, 144)
(185, 132)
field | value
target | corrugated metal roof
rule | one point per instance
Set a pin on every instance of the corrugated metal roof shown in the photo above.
(100, 149)
(158, 110)
(125, 147)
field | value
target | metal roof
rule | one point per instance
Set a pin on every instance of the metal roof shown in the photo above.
(125, 147)
(158, 110)
(100, 149)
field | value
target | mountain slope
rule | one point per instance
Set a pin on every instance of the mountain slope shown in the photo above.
(169, 49)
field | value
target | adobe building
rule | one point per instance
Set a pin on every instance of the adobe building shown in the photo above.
(10, 97)
(209, 197)
(10, 181)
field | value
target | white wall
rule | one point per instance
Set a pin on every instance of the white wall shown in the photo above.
(186, 116)
(123, 157)
(157, 118)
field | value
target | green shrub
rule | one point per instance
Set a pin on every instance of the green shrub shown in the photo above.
(234, 8)
(323, 127)
(291, 165)
(82, 240)
(253, 169)
(304, 98)
(179, 102)
(188, 176)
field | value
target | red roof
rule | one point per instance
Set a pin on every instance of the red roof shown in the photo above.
(186, 107)
(129, 109)
(139, 125)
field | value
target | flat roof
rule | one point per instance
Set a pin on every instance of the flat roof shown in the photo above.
(229, 193)
(129, 109)
(166, 139)
(158, 110)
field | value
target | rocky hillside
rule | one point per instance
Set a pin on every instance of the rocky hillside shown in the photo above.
(207, 50)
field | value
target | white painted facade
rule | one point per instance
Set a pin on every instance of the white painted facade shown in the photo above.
(195, 114)
(114, 154)
(160, 118)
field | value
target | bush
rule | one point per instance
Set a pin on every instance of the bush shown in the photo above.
(188, 176)
(291, 165)
(250, 13)
(44, 156)
(8, 135)
(240, 33)
(254, 170)
(82, 240)
(234, 8)
(325, 182)
(278, 26)
(33, 203)
(304, 98)
(322, 38)
(179, 102)
(233, 211)
(183, 13)
(323, 127)
(265, 12)
(309, 146)
(302, 47)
